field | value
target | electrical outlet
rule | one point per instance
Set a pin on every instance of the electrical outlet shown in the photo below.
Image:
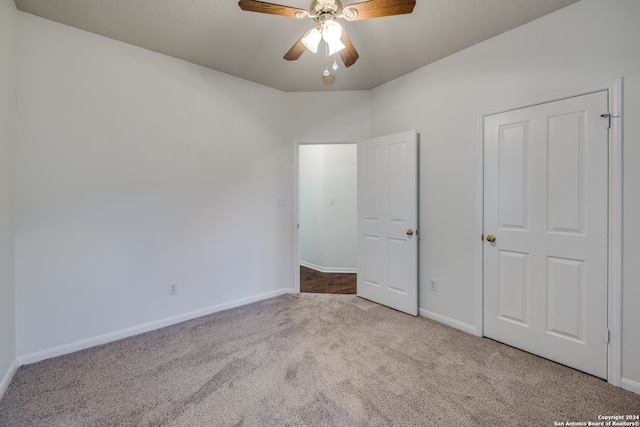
(173, 288)
(281, 201)
(434, 285)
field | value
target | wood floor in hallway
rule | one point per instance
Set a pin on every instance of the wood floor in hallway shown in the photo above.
(313, 281)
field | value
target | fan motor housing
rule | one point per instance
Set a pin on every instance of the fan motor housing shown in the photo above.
(320, 7)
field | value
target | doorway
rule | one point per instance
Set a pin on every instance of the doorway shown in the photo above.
(386, 222)
(327, 195)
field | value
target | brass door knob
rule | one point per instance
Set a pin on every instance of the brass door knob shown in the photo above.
(409, 232)
(491, 238)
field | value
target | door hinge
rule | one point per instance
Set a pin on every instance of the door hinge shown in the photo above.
(608, 117)
(607, 336)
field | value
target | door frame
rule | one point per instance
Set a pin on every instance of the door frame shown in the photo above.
(296, 196)
(614, 261)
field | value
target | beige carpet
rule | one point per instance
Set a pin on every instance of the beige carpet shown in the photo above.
(306, 360)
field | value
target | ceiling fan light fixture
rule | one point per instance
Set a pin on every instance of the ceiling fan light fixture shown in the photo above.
(325, 13)
(331, 32)
(312, 40)
(335, 47)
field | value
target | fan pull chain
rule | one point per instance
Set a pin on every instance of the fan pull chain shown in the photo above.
(326, 60)
(328, 78)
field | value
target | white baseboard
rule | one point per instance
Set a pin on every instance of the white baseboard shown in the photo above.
(146, 327)
(322, 269)
(448, 321)
(633, 386)
(8, 377)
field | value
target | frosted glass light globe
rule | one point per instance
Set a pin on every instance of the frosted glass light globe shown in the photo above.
(331, 32)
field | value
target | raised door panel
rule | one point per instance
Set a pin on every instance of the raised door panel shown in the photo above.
(397, 207)
(370, 272)
(513, 177)
(400, 266)
(566, 298)
(565, 173)
(369, 196)
(513, 287)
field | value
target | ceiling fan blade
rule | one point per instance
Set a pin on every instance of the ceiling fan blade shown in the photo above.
(377, 8)
(349, 54)
(297, 49)
(273, 9)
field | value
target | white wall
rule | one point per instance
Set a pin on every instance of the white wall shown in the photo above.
(311, 204)
(135, 170)
(328, 201)
(8, 22)
(324, 116)
(589, 42)
(340, 207)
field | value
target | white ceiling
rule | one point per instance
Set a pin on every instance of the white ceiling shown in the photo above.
(218, 35)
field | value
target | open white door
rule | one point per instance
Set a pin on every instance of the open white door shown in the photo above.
(388, 220)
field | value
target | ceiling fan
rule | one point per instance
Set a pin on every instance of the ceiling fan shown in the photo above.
(325, 13)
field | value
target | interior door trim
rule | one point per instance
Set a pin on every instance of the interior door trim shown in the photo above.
(614, 310)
